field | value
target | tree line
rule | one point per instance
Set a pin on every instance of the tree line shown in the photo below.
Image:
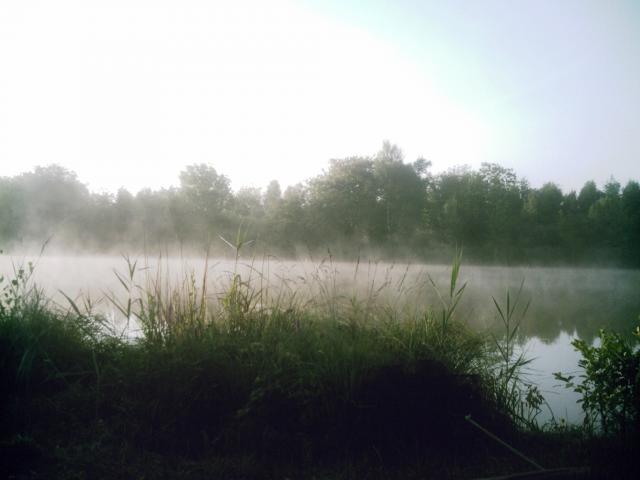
(376, 203)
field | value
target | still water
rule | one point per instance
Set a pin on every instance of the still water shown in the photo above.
(565, 303)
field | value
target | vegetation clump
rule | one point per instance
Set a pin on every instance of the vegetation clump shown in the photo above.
(234, 387)
(610, 386)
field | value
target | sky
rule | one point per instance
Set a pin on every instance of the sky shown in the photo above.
(126, 93)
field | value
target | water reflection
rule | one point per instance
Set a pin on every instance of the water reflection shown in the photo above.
(550, 357)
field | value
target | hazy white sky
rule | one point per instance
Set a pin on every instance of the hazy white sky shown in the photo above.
(126, 93)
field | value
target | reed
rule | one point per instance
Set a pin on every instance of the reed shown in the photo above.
(257, 370)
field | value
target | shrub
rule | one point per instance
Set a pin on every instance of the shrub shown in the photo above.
(610, 386)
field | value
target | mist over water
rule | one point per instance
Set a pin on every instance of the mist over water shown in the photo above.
(565, 303)
(319, 239)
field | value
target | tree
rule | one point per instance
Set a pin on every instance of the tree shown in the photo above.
(12, 212)
(543, 207)
(343, 199)
(290, 225)
(54, 199)
(505, 196)
(124, 207)
(546, 203)
(154, 217)
(458, 207)
(181, 217)
(421, 166)
(589, 194)
(389, 153)
(607, 217)
(248, 203)
(573, 226)
(631, 209)
(208, 196)
(401, 192)
(272, 196)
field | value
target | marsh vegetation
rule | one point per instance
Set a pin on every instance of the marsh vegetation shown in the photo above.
(565, 303)
(264, 371)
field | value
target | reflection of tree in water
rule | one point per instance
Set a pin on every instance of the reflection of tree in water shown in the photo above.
(580, 301)
(584, 312)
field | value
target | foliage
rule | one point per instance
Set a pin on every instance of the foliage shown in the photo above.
(379, 202)
(15, 292)
(610, 384)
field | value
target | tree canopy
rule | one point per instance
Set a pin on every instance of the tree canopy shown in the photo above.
(380, 202)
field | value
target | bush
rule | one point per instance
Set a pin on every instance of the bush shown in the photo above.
(610, 386)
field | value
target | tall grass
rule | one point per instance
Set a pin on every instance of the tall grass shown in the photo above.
(259, 369)
(508, 379)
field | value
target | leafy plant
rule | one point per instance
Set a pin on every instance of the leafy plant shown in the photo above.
(15, 292)
(610, 386)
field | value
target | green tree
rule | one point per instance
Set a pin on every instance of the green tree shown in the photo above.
(631, 209)
(248, 203)
(544, 206)
(181, 215)
(208, 196)
(154, 222)
(291, 226)
(505, 196)
(607, 218)
(401, 192)
(573, 227)
(124, 207)
(458, 208)
(53, 202)
(12, 212)
(589, 194)
(343, 199)
(272, 196)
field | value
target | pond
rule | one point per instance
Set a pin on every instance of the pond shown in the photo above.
(565, 303)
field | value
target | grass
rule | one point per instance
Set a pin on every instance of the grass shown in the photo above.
(255, 383)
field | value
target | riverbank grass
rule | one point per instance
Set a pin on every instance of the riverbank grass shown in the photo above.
(234, 387)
